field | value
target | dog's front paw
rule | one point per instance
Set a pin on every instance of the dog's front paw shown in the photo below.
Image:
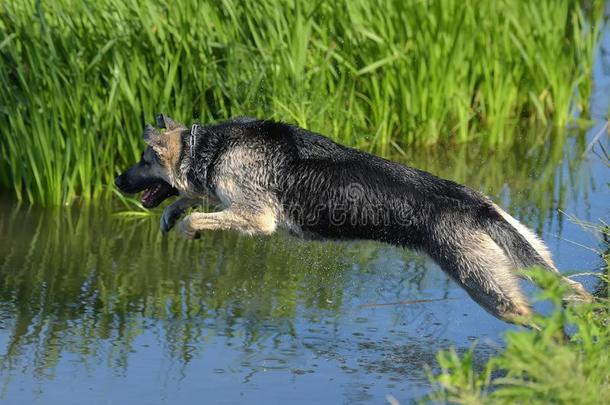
(169, 218)
(185, 227)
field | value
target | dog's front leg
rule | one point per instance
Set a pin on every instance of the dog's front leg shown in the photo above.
(172, 212)
(247, 222)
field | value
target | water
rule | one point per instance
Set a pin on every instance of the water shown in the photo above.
(102, 308)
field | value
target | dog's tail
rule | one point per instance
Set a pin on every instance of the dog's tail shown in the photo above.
(525, 249)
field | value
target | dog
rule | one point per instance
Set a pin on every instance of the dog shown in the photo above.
(269, 175)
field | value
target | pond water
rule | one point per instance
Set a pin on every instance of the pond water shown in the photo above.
(101, 307)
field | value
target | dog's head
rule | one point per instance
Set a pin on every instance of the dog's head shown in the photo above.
(153, 173)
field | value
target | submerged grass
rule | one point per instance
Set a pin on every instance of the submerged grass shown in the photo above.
(78, 79)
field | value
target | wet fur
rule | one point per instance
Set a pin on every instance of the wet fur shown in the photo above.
(268, 176)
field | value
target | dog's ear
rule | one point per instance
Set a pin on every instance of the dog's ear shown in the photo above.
(167, 123)
(154, 139)
(151, 135)
(166, 146)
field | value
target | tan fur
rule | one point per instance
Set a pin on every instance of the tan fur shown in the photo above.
(489, 277)
(243, 221)
(228, 192)
(172, 148)
(168, 148)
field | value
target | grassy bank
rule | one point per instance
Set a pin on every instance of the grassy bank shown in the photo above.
(78, 79)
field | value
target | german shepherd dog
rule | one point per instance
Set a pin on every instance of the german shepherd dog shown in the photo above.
(269, 175)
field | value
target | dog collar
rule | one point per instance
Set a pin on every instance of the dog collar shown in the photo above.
(192, 139)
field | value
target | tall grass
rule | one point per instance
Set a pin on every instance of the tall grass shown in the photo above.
(78, 79)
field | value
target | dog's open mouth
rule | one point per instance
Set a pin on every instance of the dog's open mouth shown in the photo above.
(157, 193)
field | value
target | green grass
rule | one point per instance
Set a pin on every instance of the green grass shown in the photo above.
(79, 79)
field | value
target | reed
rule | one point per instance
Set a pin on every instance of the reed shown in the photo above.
(79, 79)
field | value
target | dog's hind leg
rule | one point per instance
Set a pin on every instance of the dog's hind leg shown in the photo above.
(246, 221)
(482, 268)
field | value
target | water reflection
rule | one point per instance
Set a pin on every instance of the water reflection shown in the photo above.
(96, 276)
(90, 286)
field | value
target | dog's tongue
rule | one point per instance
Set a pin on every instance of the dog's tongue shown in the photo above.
(156, 194)
(149, 195)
